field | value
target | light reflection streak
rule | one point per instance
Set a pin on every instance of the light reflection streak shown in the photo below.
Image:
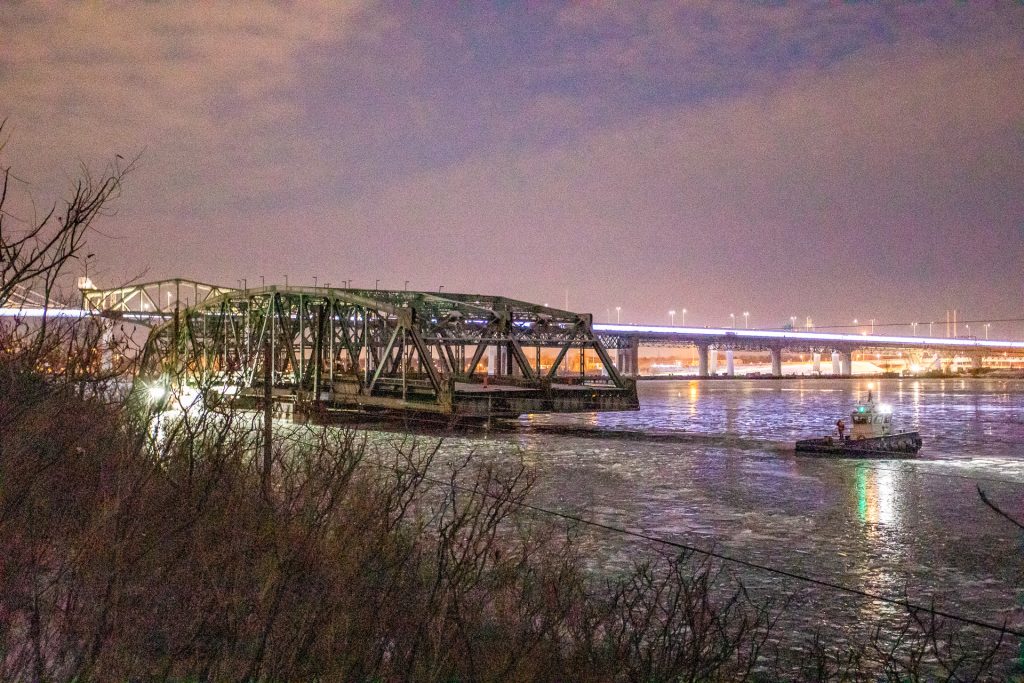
(877, 513)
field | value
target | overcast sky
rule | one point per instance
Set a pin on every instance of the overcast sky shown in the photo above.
(836, 160)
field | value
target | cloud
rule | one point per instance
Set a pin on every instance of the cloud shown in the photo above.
(747, 153)
(898, 173)
(206, 89)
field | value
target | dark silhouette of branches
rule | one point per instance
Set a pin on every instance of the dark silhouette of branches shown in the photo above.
(33, 255)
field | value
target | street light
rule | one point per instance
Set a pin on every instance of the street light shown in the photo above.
(987, 325)
(872, 326)
(376, 284)
(672, 317)
(792, 322)
(746, 319)
(314, 282)
(618, 314)
(684, 317)
(732, 317)
(930, 323)
(407, 285)
(914, 327)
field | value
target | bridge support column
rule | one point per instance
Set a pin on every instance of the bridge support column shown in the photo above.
(702, 360)
(776, 362)
(634, 357)
(730, 366)
(846, 363)
(816, 363)
(712, 361)
(837, 368)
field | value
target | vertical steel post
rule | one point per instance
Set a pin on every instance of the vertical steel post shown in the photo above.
(268, 425)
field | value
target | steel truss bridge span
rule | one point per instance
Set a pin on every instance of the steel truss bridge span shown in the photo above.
(319, 351)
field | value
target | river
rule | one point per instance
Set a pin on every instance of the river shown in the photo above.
(710, 463)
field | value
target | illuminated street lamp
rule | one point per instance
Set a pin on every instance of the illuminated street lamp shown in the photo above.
(792, 322)
(672, 317)
(684, 317)
(746, 319)
(732, 316)
(914, 327)
(618, 314)
(930, 323)
(872, 326)
(987, 325)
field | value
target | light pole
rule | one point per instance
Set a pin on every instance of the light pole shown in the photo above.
(930, 323)
(672, 318)
(286, 281)
(376, 285)
(746, 320)
(914, 327)
(872, 326)
(314, 282)
(618, 314)
(987, 325)
(684, 317)
(732, 318)
(407, 285)
(792, 322)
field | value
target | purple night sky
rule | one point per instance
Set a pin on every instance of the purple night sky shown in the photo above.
(861, 159)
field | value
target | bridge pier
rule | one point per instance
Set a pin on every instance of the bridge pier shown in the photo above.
(816, 363)
(776, 355)
(837, 368)
(730, 366)
(846, 363)
(629, 358)
(702, 360)
(713, 361)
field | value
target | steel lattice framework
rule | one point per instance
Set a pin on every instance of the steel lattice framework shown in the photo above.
(328, 350)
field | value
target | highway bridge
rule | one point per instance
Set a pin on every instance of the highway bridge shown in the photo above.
(627, 339)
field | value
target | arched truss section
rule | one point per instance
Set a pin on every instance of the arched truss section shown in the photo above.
(343, 349)
(150, 303)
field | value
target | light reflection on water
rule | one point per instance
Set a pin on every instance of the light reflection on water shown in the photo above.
(720, 472)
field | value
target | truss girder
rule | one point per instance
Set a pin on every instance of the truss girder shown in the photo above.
(331, 345)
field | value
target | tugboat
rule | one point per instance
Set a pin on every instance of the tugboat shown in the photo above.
(870, 437)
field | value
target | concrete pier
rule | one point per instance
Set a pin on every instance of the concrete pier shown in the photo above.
(776, 362)
(730, 366)
(837, 369)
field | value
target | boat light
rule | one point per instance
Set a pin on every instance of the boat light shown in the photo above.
(885, 408)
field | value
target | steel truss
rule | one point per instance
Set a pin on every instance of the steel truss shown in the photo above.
(341, 349)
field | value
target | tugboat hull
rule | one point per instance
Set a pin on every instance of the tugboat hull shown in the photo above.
(903, 445)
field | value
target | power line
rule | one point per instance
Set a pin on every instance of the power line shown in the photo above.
(906, 604)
